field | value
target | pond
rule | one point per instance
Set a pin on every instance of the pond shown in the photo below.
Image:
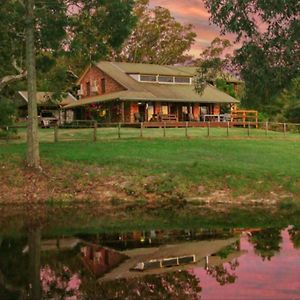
(204, 263)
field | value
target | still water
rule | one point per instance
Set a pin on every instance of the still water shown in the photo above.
(237, 263)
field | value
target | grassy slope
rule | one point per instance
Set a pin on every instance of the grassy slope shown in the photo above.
(243, 166)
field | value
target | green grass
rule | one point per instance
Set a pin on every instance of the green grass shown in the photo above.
(242, 165)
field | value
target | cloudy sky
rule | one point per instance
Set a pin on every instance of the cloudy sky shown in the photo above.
(192, 12)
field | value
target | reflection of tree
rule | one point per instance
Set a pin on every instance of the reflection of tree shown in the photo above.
(59, 285)
(294, 233)
(34, 242)
(175, 286)
(222, 274)
(267, 242)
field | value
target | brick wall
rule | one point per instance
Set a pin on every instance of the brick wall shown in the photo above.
(94, 76)
(157, 107)
(134, 108)
(196, 110)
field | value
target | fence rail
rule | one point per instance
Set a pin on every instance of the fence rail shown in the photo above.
(94, 131)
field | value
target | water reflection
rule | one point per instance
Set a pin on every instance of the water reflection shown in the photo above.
(226, 264)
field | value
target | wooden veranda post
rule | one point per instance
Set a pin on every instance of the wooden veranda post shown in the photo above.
(123, 112)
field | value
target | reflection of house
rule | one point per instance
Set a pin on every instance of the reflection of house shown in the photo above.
(56, 244)
(199, 249)
(46, 102)
(127, 92)
(100, 260)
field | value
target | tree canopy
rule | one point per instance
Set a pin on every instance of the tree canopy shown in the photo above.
(214, 63)
(157, 38)
(66, 31)
(270, 53)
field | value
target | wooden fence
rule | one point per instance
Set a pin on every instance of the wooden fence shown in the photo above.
(93, 131)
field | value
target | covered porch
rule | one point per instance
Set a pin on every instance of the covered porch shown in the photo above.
(147, 111)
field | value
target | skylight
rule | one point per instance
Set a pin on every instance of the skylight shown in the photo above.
(163, 79)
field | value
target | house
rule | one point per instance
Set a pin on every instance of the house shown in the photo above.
(46, 103)
(129, 93)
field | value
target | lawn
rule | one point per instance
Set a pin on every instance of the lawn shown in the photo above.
(241, 166)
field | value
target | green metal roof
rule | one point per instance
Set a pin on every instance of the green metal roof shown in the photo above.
(135, 90)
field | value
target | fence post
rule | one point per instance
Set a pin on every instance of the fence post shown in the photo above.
(208, 128)
(119, 130)
(164, 129)
(186, 129)
(55, 133)
(228, 128)
(248, 128)
(267, 127)
(284, 129)
(141, 130)
(95, 131)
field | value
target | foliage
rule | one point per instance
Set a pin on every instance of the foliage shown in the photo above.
(7, 117)
(172, 285)
(64, 285)
(290, 99)
(224, 274)
(214, 65)
(269, 56)
(267, 242)
(294, 233)
(65, 32)
(7, 112)
(157, 38)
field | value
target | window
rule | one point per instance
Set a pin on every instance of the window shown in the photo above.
(148, 78)
(166, 79)
(182, 80)
(103, 86)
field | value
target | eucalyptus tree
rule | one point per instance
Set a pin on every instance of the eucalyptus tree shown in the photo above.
(157, 37)
(52, 29)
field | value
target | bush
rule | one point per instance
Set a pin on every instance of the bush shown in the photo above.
(7, 112)
(7, 117)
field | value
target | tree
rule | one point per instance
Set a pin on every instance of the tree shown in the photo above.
(157, 38)
(215, 66)
(290, 100)
(267, 242)
(270, 54)
(82, 29)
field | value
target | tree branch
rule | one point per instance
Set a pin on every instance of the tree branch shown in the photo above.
(6, 80)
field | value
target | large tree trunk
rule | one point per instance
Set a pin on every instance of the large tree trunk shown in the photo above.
(33, 155)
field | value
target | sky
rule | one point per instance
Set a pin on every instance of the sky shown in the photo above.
(193, 12)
